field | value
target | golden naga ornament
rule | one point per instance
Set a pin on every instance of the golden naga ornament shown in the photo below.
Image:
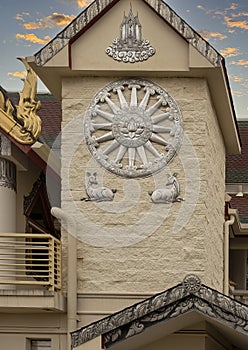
(21, 121)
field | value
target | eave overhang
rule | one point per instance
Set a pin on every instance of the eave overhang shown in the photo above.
(38, 153)
(189, 300)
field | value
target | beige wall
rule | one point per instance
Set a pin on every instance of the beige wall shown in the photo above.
(186, 340)
(16, 330)
(178, 342)
(163, 259)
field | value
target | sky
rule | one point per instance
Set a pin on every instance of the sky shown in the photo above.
(27, 25)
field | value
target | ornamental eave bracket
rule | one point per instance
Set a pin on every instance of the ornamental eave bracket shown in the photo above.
(21, 121)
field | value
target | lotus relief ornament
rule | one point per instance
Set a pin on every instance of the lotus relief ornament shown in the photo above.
(133, 128)
(130, 47)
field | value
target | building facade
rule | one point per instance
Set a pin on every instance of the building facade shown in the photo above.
(136, 253)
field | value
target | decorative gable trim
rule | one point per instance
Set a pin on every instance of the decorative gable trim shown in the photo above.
(99, 7)
(77, 27)
(190, 295)
(187, 32)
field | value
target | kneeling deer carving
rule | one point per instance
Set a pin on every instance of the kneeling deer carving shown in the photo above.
(97, 193)
(170, 193)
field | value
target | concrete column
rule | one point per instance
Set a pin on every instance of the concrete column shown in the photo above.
(7, 211)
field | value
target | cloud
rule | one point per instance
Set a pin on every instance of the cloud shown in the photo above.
(222, 13)
(240, 63)
(230, 52)
(236, 78)
(207, 35)
(215, 13)
(236, 24)
(18, 74)
(233, 6)
(19, 16)
(83, 3)
(238, 93)
(54, 20)
(240, 14)
(33, 38)
(245, 83)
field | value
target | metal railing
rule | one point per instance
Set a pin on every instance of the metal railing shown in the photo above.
(30, 259)
(241, 295)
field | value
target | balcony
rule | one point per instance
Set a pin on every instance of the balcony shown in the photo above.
(30, 272)
(241, 295)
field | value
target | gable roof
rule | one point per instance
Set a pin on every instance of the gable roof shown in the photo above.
(58, 60)
(237, 174)
(237, 165)
(99, 7)
(189, 296)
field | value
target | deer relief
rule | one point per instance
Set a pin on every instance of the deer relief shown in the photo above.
(170, 193)
(96, 193)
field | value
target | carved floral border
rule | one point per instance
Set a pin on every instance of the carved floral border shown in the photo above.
(186, 296)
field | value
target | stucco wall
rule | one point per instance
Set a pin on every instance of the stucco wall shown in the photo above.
(168, 254)
(17, 330)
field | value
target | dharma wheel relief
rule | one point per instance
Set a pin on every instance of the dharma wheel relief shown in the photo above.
(133, 129)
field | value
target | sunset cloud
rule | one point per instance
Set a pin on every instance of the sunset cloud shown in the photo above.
(243, 63)
(207, 35)
(245, 83)
(52, 21)
(215, 13)
(83, 3)
(33, 38)
(240, 14)
(236, 78)
(19, 16)
(18, 74)
(230, 52)
(233, 6)
(236, 24)
(238, 93)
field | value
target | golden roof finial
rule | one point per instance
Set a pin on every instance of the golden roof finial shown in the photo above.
(21, 121)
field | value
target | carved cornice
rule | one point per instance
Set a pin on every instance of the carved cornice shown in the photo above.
(189, 295)
(7, 174)
(21, 121)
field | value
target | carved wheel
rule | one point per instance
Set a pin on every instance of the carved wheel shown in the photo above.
(133, 128)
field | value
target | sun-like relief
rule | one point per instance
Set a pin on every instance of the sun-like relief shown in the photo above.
(133, 128)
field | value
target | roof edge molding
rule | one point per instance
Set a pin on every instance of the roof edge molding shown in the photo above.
(190, 295)
(97, 8)
(88, 15)
(21, 122)
(186, 31)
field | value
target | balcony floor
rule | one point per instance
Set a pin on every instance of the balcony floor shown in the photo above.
(31, 300)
